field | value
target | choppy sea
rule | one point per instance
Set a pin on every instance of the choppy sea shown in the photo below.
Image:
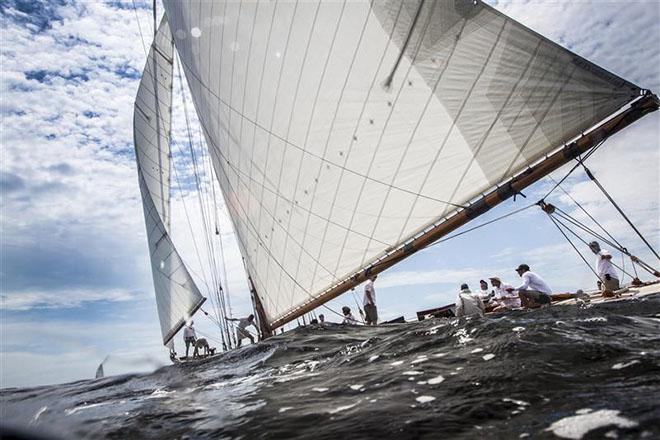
(576, 372)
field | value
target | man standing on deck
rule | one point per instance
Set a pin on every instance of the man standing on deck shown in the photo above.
(189, 336)
(533, 292)
(369, 302)
(604, 268)
(468, 304)
(241, 332)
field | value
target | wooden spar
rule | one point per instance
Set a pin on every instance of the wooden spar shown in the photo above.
(642, 106)
(264, 329)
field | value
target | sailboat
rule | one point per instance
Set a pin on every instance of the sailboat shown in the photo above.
(348, 135)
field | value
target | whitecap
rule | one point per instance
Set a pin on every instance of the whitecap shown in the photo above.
(518, 329)
(411, 373)
(622, 365)
(357, 387)
(436, 380)
(373, 358)
(438, 355)
(575, 427)
(584, 411)
(488, 356)
(320, 389)
(343, 408)
(425, 399)
(517, 402)
(71, 411)
(420, 360)
(477, 350)
(285, 409)
(396, 363)
(38, 414)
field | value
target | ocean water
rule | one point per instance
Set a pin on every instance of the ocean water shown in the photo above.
(564, 372)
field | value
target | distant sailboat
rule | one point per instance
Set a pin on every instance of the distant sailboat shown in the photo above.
(348, 135)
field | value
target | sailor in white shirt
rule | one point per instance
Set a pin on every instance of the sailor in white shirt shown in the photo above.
(468, 304)
(349, 319)
(483, 293)
(369, 302)
(241, 328)
(604, 267)
(506, 300)
(533, 292)
(189, 336)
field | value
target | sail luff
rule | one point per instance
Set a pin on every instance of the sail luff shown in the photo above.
(645, 105)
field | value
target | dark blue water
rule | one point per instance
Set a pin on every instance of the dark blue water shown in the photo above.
(563, 372)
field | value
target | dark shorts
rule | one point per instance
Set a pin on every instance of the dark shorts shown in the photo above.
(535, 296)
(611, 284)
(371, 314)
(189, 341)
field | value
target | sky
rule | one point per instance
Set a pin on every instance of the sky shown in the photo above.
(75, 281)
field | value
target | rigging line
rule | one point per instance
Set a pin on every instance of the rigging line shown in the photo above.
(587, 244)
(479, 226)
(585, 211)
(587, 156)
(302, 149)
(598, 184)
(586, 229)
(555, 222)
(209, 244)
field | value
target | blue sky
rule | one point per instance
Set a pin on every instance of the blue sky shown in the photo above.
(76, 285)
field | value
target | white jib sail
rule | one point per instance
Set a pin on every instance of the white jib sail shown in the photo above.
(177, 296)
(340, 129)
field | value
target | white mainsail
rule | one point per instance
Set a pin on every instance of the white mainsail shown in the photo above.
(177, 296)
(341, 129)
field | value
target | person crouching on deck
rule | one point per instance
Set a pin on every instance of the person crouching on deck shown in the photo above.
(605, 269)
(189, 336)
(468, 303)
(504, 297)
(533, 292)
(349, 319)
(369, 302)
(241, 332)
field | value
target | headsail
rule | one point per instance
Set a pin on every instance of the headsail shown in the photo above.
(177, 296)
(341, 130)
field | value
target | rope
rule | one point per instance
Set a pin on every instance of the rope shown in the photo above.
(555, 222)
(598, 184)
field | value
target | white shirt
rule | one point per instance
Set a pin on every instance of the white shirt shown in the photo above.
(468, 304)
(508, 300)
(483, 294)
(244, 322)
(531, 281)
(189, 332)
(369, 287)
(349, 319)
(605, 265)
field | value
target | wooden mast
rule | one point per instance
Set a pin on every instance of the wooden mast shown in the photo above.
(644, 105)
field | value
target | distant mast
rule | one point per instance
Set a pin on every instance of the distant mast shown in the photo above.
(346, 136)
(177, 295)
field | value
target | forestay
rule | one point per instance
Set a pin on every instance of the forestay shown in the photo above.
(339, 130)
(177, 296)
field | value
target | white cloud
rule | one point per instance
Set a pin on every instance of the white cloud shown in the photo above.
(64, 298)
